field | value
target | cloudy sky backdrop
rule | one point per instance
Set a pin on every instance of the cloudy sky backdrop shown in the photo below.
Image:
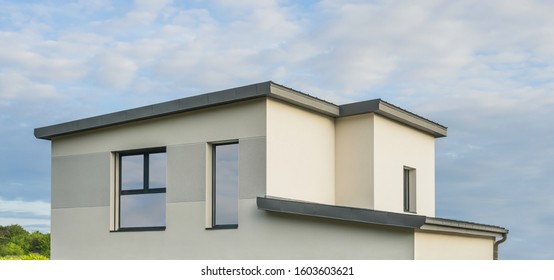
(485, 69)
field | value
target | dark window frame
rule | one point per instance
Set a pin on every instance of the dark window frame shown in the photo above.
(409, 189)
(214, 188)
(145, 188)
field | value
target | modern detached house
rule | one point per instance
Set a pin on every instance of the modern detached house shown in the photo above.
(256, 172)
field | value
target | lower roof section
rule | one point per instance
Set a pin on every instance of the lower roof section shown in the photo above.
(376, 217)
(340, 212)
(462, 227)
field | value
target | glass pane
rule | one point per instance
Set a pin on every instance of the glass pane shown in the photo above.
(157, 171)
(132, 172)
(142, 210)
(226, 184)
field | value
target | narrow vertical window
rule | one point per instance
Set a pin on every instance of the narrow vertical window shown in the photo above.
(409, 189)
(142, 188)
(225, 182)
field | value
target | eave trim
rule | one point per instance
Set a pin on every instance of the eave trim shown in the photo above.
(462, 227)
(340, 212)
(260, 90)
(398, 114)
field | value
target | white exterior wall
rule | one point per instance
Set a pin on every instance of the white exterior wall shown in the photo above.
(396, 146)
(82, 176)
(240, 120)
(261, 235)
(354, 166)
(81, 192)
(284, 151)
(444, 246)
(300, 154)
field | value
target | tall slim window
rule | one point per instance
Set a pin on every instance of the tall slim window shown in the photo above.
(225, 192)
(142, 188)
(409, 189)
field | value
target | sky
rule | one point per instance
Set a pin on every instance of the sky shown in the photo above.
(484, 69)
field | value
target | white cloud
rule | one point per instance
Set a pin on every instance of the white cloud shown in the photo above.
(38, 207)
(15, 85)
(114, 70)
(31, 215)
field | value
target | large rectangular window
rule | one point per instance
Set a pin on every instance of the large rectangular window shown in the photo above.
(141, 189)
(409, 189)
(225, 185)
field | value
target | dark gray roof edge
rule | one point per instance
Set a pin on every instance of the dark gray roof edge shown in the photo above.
(263, 89)
(396, 113)
(376, 217)
(465, 225)
(304, 100)
(156, 110)
(340, 212)
(304, 94)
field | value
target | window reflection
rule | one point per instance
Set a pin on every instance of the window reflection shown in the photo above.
(143, 186)
(142, 210)
(226, 184)
(132, 172)
(157, 167)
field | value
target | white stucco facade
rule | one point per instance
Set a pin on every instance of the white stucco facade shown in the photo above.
(372, 152)
(342, 166)
(434, 246)
(300, 154)
(397, 146)
(355, 161)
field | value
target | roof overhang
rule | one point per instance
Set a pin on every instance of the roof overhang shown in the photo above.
(260, 90)
(368, 216)
(398, 114)
(340, 212)
(461, 227)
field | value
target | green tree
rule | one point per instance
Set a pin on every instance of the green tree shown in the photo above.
(16, 230)
(11, 249)
(4, 235)
(16, 241)
(39, 243)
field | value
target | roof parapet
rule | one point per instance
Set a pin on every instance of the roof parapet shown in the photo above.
(461, 227)
(376, 217)
(398, 114)
(264, 89)
(259, 90)
(340, 212)
(156, 110)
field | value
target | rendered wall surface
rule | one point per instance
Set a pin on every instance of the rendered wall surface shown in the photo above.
(396, 146)
(241, 120)
(284, 151)
(436, 246)
(261, 235)
(354, 166)
(82, 172)
(300, 154)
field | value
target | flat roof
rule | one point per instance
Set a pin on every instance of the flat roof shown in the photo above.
(376, 217)
(340, 212)
(396, 113)
(456, 226)
(259, 90)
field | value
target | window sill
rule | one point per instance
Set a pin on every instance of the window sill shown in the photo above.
(139, 229)
(224, 227)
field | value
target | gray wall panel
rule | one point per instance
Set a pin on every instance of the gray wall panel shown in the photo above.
(186, 172)
(252, 167)
(81, 180)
